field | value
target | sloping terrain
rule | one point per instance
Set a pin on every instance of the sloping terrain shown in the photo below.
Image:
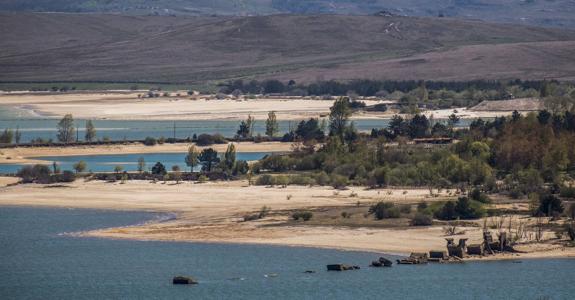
(523, 104)
(559, 13)
(73, 47)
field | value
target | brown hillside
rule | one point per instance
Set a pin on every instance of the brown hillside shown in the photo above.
(71, 47)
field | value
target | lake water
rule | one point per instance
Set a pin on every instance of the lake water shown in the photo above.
(38, 262)
(34, 127)
(106, 163)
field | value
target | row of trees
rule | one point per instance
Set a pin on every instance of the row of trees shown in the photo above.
(373, 87)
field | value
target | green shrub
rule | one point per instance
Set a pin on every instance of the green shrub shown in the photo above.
(282, 180)
(384, 210)
(446, 212)
(464, 209)
(421, 206)
(550, 205)
(421, 219)
(322, 178)
(301, 180)
(266, 180)
(405, 209)
(338, 181)
(150, 141)
(477, 195)
(567, 192)
(304, 215)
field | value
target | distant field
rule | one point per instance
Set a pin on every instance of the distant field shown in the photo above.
(205, 50)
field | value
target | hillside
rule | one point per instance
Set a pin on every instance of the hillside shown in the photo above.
(559, 13)
(79, 47)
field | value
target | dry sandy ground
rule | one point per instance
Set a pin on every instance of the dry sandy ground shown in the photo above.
(213, 212)
(22, 155)
(127, 106)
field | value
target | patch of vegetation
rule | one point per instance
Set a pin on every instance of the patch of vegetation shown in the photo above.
(304, 215)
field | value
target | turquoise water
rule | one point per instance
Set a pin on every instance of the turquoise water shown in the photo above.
(138, 130)
(106, 163)
(38, 262)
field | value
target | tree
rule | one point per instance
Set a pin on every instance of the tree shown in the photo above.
(141, 164)
(246, 128)
(80, 166)
(66, 129)
(208, 157)
(550, 205)
(192, 157)
(17, 135)
(176, 173)
(90, 131)
(159, 169)
(453, 121)
(418, 126)
(7, 136)
(543, 117)
(309, 130)
(230, 158)
(397, 125)
(272, 127)
(338, 117)
(118, 169)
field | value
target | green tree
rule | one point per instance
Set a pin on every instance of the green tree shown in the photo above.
(80, 166)
(159, 169)
(66, 129)
(208, 158)
(230, 158)
(452, 121)
(339, 116)
(7, 136)
(118, 169)
(17, 135)
(90, 131)
(246, 128)
(272, 127)
(192, 157)
(141, 164)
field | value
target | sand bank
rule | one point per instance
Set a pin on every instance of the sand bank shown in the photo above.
(127, 106)
(22, 155)
(213, 212)
(123, 106)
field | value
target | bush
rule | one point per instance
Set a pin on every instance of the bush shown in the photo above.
(421, 206)
(282, 180)
(446, 212)
(477, 195)
(66, 176)
(322, 178)
(265, 180)
(463, 209)
(36, 173)
(304, 215)
(405, 209)
(567, 192)
(301, 180)
(550, 205)
(421, 220)
(150, 141)
(207, 139)
(338, 181)
(384, 210)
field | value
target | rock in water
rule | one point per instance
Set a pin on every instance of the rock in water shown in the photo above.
(184, 280)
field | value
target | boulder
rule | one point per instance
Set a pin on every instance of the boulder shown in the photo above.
(184, 280)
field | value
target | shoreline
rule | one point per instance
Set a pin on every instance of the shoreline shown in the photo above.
(27, 155)
(219, 220)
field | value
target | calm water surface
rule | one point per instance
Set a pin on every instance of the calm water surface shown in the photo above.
(38, 262)
(34, 127)
(106, 163)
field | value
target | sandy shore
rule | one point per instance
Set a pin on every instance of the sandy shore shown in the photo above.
(127, 106)
(22, 155)
(213, 212)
